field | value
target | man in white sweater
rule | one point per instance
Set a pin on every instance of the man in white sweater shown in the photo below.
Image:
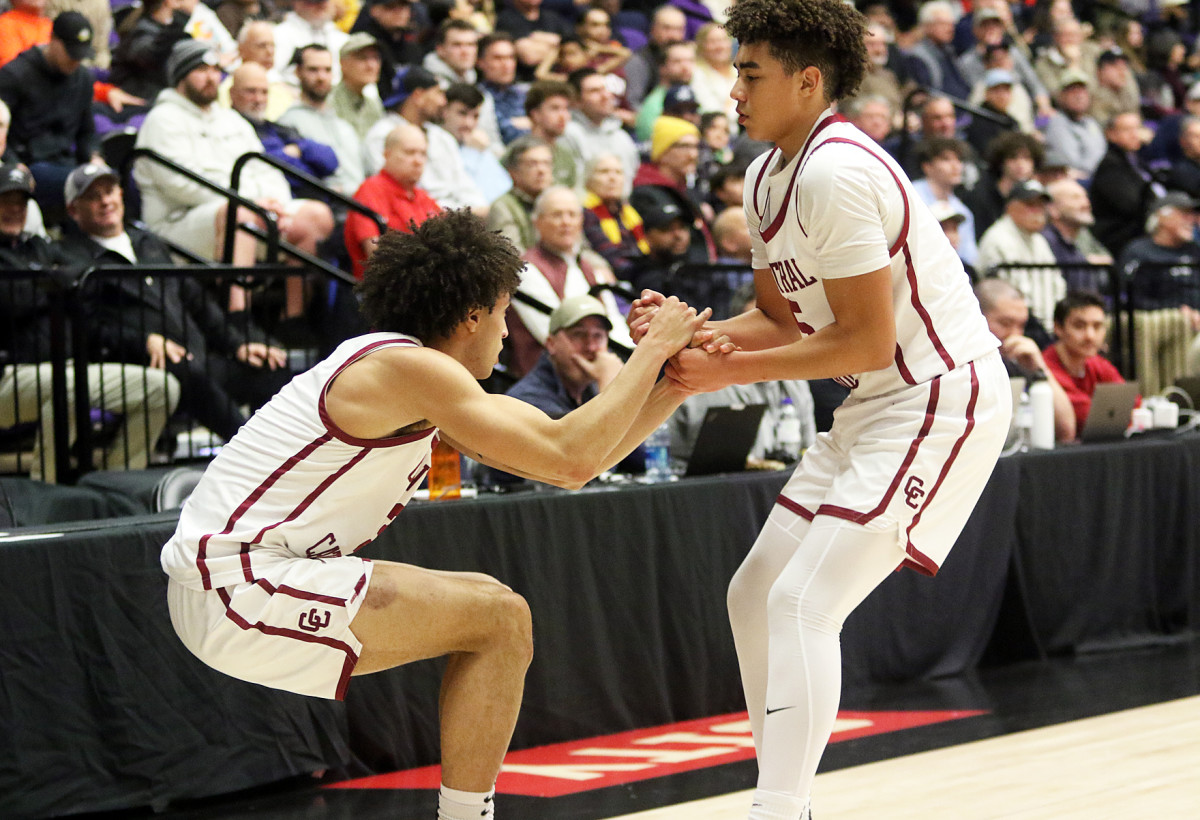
(1016, 238)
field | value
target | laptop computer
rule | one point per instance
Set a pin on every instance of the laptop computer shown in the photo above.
(725, 438)
(1112, 404)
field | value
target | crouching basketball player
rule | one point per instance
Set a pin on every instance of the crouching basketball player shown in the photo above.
(855, 281)
(263, 584)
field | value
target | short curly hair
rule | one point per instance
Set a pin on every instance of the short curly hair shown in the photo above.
(426, 282)
(826, 34)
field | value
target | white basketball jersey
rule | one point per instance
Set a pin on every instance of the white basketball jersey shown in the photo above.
(842, 207)
(291, 483)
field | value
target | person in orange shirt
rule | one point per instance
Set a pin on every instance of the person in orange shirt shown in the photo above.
(24, 26)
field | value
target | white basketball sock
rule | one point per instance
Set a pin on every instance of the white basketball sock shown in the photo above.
(456, 805)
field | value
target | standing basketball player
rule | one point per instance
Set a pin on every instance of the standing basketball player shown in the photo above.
(855, 281)
(263, 585)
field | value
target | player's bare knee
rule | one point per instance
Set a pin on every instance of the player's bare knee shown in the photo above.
(510, 621)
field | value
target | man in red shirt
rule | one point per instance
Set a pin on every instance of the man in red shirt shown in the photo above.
(1081, 325)
(392, 193)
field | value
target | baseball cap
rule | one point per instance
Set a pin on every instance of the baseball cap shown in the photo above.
(660, 212)
(945, 211)
(357, 42)
(1073, 76)
(1111, 55)
(406, 81)
(574, 309)
(997, 76)
(14, 177)
(984, 15)
(1175, 199)
(186, 56)
(74, 31)
(79, 180)
(1028, 190)
(680, 98)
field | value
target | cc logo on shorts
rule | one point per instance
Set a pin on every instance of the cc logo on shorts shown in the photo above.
(315, 620)
(914, 491)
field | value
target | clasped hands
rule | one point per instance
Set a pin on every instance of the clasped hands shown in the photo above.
(694, 369)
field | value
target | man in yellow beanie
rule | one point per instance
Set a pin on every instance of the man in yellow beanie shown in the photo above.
(674, 153)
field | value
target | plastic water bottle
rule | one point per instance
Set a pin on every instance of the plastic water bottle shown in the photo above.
(658, 455)
(1024, 423)
(787, 431)
(1041, 403)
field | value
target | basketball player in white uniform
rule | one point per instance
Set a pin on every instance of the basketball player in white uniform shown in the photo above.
(263, 584)
(855, 281)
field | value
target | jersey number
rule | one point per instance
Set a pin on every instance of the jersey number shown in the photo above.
(805, 328)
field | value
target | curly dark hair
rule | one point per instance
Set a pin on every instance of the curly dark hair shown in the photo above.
(1010, 144)
(826, 34)
(426, 282)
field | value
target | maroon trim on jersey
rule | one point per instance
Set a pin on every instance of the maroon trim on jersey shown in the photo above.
(340, 434)
(247, 503)
(916, 559)
(303, 595)
(762, 172)
(792, 506)
(901, 244)
(311, 497)
(332, 643)
(769, 232)
(935, 386)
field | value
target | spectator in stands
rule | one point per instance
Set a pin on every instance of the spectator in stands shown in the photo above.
(1122, 186)
(248, 97)
(989, 29)
(1011, 158)
(714, 73)
(548, 106)
(1184, 173)
(530, 162)
(669, 25)
(22, 27)
(997, 97)
(1072, 131)
(1081, 327)
(417, 98)
(937, 120)
(99, 14)
(873, 116)
(674, 152)
(167, 323)
(1116, 89)
(576, 363)
(1017, 239)
(497, 69)
(932, 61)
(1008, 317)
(950, 219)
(595, 128)
(350, 98)
(314, 118)
(146, 38)
(765, 453)
(204, 25)
(49, 94)
(1071, 50)
(941, 173)
(678, 66)
(309, 22)
(536, 32)
(1069, 233)
(256, 44)
(731, 235)
(610, 224)
(187, 127)
(460, 117)
(393, 193)
(604, 53)
(396, 32)
(144, 399)
(556, 269)
(880, 81)
(455, 51)
(1162, 269)
(667, 227)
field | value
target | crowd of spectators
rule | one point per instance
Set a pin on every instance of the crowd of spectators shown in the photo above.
(601, 139)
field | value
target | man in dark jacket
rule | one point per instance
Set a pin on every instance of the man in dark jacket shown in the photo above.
(140, 400)
(166, 323)
(1122, 187)
(49, 93)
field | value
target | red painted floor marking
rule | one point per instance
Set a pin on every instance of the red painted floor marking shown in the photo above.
(599, 762)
